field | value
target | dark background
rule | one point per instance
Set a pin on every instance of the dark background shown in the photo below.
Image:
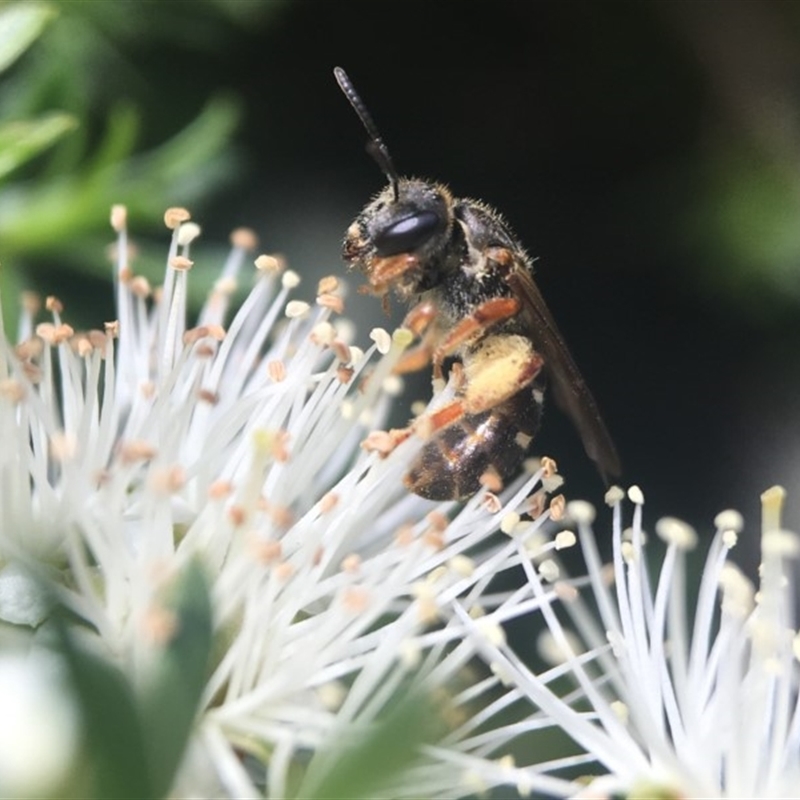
(645, 152)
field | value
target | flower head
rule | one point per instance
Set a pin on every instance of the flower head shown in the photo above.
(661, 696)
(135, 453)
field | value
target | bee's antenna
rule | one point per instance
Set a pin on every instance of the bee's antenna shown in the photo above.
(375, 146)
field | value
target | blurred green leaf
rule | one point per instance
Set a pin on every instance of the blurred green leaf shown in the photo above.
(21, 141)
(20, 25)
(369, 762)
(743, 221)
(55, 211)
(113, 740)
(172, 688)
(11, 287)
(119, 141)
(199, 140)
(37, 217)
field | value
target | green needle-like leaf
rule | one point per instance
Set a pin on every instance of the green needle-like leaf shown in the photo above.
(172, 688)
(360, 767)
(113, 738)
(23, 140)
(20, 26)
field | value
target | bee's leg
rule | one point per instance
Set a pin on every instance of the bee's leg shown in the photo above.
(383, 272)
(418, 321)
(512, 364)
(420, 317)
(413, 360)
(427, 425)
(383, 442)
(487, 314)
(499, 368)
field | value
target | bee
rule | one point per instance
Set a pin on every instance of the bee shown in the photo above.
(477, 313)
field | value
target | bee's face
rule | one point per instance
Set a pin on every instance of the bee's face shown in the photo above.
(398, 242)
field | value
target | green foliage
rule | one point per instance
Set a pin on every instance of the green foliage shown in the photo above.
(742, 221)
(86, 123)
(114, 756)
(20, 25)
(136, 731)
(172, 688)
(364, 763)
(21, 140)
(39, 217)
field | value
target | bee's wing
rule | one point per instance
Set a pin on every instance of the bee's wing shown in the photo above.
(570, 391)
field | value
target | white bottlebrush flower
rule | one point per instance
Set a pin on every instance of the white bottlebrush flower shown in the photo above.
(662, 695)
(131, 452)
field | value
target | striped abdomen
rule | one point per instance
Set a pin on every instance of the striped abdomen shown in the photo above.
(452, 462)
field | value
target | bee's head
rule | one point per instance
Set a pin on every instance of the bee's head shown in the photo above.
(398, 239)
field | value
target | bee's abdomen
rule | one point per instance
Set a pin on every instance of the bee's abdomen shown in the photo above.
(452, 462)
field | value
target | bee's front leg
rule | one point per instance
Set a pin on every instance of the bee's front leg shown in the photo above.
(419, 321)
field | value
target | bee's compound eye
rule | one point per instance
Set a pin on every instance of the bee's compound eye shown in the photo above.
(407, 234)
